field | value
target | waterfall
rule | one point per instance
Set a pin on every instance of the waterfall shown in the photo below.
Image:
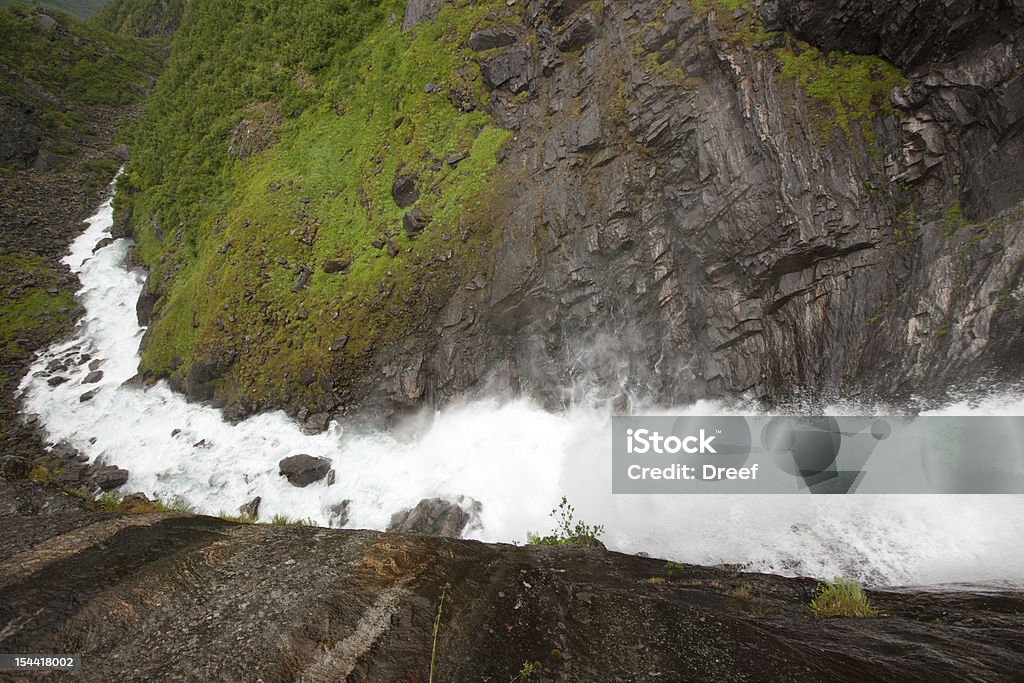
(516, 459)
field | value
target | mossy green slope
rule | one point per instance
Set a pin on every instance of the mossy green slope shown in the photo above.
(34, 305)
(80, 63)
(146, 18)
(79, 9)
(346, 102)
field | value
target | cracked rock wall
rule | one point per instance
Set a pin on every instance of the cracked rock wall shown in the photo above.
(679, 219)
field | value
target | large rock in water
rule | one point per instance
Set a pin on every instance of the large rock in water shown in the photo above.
(303, 470)
(435, 517)
(110, 477)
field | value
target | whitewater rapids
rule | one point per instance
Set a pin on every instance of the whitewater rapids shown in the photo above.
(516, 459)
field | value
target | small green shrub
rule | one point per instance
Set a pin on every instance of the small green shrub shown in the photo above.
(568, 531)
(528, 670)
(842, 598)
(238, 519)
(673, 568)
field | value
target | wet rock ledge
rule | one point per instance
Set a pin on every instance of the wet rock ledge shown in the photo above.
(181, 597)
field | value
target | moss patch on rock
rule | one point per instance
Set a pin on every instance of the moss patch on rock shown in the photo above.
(237, 247)
(35, 303)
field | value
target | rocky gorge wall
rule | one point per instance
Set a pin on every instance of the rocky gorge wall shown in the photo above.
(692, 202)
(698, 208)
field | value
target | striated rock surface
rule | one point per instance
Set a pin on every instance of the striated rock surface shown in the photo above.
(684, 212)
(172, 597)
(694, 200)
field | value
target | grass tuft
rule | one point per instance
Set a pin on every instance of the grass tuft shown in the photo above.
(285, 520)
(842, 598)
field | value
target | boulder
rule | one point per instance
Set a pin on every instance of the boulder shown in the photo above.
(14, 467)
(72, 474)
(88, 396)
(510, 69)
(302, 469)
(454, 159)
(137, 502)
(145, 303)
(490, 38)
(251, 509)
(44, 22)
(404, 191)
(435, 517)
(93, 377)
(337, 265)
(316, 423)
(415, 221)
(338, 514)
(300, 282)
(102, 244)
(109, 477)
(417, 11)
(205, 369)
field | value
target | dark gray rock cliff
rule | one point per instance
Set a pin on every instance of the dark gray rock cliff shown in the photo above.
(678, 217)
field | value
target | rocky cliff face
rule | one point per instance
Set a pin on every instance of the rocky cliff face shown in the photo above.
(687, 215)
(172, 597)
(697, 199)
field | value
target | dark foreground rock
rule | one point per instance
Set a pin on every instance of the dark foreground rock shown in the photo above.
(170, 597)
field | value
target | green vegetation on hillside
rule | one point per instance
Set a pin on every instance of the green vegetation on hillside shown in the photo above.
(34, 306)
(75, 61)
(54, 70)
(147, 18)
(854, 87)
(79, 9)
(344, 102)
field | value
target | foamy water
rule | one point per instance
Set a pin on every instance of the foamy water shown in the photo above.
(516, 459)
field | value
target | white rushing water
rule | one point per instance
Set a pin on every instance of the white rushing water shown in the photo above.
(511, 456)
